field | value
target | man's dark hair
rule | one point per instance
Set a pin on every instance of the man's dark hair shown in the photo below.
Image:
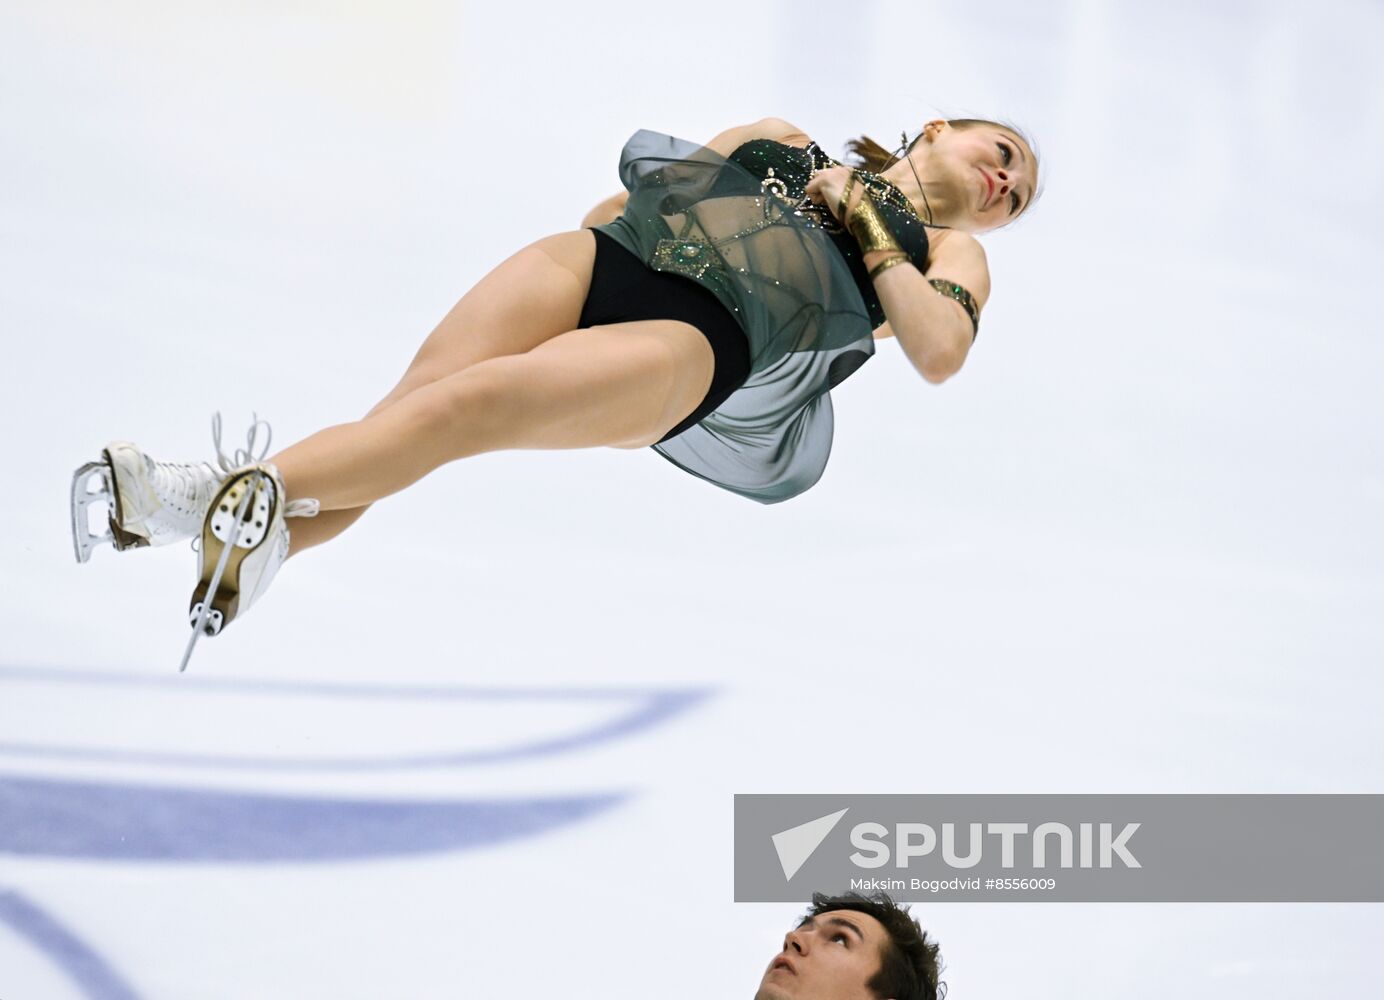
(909, 963)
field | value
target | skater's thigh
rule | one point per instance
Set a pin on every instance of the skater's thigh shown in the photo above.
(533, 296)
(622, 385)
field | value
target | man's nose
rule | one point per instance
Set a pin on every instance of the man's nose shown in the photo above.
(795, 941)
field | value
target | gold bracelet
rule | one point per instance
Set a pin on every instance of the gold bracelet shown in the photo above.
(954, 291)
(885, 265)
(868, 227)
(845, 198)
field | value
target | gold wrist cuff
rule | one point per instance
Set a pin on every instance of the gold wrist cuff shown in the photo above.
(845, 197)
(868, 227)
(885, 265)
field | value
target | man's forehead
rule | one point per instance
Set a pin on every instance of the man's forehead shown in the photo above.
(868, 927)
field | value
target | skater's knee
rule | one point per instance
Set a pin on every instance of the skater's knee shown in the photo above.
(418, 377)
(468, 401)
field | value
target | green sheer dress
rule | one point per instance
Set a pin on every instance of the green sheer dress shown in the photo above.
(743, 228)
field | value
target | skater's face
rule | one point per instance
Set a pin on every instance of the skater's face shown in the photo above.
(986, 175)
(828, 957)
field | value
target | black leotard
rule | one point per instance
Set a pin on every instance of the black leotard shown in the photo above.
(624, 289)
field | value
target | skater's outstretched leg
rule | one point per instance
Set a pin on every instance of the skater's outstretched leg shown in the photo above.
(534, 295)
(524, 304)
(323, 528)
(623, 385)
(330, 523)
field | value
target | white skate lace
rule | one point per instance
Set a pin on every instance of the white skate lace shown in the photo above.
(241, 456)
(189, 479)
(305, 507)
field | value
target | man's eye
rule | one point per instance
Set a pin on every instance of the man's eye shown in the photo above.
(839, 937)
(1013, 202)
(1008, 153)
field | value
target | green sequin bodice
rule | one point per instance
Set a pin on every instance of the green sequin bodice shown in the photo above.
(795, 166)
(793, 280)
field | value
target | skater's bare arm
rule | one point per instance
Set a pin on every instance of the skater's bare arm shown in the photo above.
(726, 143)
(766, 128)
(934, 330)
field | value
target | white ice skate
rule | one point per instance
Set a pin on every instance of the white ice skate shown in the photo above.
(148, 502)
(244, 541)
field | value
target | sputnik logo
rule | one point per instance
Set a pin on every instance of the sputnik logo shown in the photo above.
(795, 846)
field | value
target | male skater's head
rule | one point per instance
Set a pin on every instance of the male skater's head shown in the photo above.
(854, 947)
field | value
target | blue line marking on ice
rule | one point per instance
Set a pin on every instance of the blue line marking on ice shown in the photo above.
(651, 707)
(150, 822)
(88, 970)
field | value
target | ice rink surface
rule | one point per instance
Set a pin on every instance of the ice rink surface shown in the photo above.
(486, 743)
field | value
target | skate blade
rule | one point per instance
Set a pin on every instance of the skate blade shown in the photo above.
(101, 474)
(218, 591)
(84, 540)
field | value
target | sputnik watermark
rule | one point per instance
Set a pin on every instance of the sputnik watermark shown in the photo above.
(1063, 848)
(918, 840)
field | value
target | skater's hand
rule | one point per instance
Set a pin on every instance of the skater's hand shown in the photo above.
(826, 186)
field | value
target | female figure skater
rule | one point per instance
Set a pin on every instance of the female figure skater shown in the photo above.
(706, 312)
